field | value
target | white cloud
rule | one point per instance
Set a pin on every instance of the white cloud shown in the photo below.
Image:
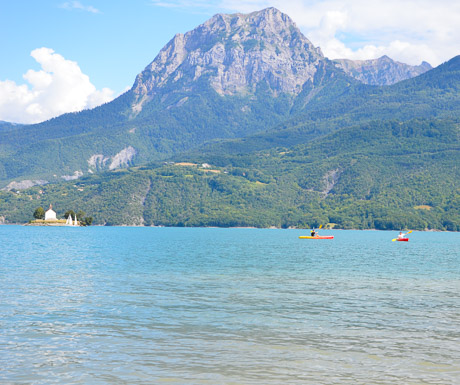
(406, 30)
(57, 88)
(410, 31)
(70, 5)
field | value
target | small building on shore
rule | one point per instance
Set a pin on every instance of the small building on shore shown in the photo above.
(50, 215)
(51, 220)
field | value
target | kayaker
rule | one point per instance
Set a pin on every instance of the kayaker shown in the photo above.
(313, 233)
(401, 235)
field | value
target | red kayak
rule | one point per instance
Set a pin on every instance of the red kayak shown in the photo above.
(403, 239)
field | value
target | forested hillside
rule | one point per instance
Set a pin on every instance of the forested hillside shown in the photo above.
(388, 175)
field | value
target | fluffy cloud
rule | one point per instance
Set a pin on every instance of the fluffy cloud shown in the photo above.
(409, 31)
(57, 88)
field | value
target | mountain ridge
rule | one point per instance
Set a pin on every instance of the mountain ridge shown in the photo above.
(381, 71)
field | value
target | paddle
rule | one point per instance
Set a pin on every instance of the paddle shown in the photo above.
(403, 235)
(319, 228)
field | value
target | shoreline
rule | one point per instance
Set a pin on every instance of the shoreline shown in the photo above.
(54, 224)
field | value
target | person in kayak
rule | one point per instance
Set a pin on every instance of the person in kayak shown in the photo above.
(313, 233)
(401, 235)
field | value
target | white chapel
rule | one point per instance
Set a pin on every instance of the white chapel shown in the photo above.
(50, 215)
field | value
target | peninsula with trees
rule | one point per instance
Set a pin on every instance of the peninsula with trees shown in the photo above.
(49, 218)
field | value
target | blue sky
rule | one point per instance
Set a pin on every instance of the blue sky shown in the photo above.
(111, 42)
(60, 56)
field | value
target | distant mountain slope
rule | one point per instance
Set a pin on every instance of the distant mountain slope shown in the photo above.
(382, 71)
(434, 94)
(7, 126)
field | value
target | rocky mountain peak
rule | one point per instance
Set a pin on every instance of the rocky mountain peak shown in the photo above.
(270, 20)
(381, 71)
(235, 52)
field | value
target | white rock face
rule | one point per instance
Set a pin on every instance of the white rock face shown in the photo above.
(77, 174)
(236, 52)
(22, 185)
(122, 158)
(97, 161)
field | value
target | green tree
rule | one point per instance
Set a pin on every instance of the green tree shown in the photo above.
(39, 213)
(87, 221)
(69, 212)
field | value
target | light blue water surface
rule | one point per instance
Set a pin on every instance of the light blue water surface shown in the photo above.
(121, 305)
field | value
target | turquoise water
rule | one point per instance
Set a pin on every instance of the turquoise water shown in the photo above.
(120, 305)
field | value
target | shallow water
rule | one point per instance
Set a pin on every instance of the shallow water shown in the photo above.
(120, 305)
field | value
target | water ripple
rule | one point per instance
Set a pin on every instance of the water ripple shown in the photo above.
(227, 306)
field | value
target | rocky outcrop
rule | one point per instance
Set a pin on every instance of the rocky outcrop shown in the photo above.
(77, 174)
(381, 71)
(24, 184)
(235, 53)
(100, 162)
(330, 179)
(97, 162)
(123, 158)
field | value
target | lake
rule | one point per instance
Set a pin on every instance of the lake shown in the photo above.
(124, 305)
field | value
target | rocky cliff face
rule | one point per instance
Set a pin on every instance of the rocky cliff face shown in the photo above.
(235, 52)
(381, 71)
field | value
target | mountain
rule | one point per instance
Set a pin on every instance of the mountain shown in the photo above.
(382, 71)
(232, 76)
(236, 52)
(243, 122)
